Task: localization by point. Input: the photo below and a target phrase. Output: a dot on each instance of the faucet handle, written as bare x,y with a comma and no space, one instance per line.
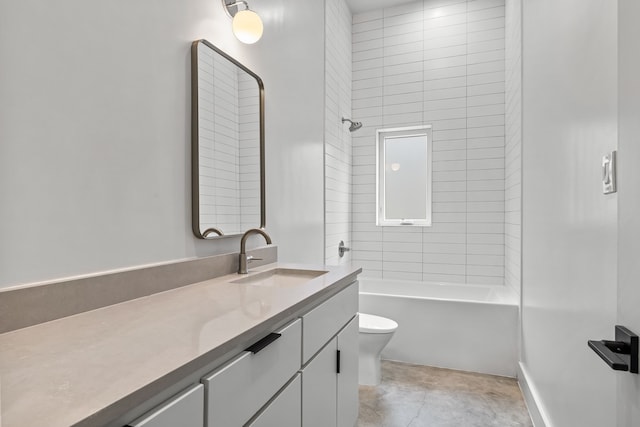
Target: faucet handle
252,258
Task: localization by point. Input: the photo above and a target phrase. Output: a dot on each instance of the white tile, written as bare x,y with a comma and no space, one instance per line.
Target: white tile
450,165
485,206
364,45
402,237
374,24
493,184
443,278
486,67
485,228
437,94
486,153
485,239
485,270
481,249
450,176
486,110
448,62
406,267
367,35
413,77
485,164
486,24
445,52
496,260
456,259
367,16
397,257
449,207
484,57
443,268
485,280
443,238
449,155
394,29
446,248
485,14
485,45
484,4
445,10
445,73
486,217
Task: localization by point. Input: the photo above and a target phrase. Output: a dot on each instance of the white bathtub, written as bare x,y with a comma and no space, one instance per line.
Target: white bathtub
465,327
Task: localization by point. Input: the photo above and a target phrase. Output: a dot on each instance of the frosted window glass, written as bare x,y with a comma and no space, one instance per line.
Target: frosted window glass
404,177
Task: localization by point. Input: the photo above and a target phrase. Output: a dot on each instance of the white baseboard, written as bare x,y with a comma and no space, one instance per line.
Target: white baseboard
532,398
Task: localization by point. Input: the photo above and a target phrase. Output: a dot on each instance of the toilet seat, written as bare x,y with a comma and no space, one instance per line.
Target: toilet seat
372,324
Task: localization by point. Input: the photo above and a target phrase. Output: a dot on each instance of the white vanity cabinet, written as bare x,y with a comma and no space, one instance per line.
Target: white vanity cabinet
330,377
304,374
184,410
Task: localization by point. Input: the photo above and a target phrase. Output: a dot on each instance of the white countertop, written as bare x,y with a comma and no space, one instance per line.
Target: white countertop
62,372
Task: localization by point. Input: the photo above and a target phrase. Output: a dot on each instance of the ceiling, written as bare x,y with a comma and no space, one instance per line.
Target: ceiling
358,6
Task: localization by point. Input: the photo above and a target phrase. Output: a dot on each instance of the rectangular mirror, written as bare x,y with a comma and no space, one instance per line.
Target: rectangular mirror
228,190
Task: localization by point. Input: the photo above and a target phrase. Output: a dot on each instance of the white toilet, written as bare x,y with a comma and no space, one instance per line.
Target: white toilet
375,333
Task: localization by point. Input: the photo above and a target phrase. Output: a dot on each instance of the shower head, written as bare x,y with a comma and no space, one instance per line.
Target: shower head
354,125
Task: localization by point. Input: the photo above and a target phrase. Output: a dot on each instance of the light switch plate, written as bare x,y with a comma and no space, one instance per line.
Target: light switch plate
609,173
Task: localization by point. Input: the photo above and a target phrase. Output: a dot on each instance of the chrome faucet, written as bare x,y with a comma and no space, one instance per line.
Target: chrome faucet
244,259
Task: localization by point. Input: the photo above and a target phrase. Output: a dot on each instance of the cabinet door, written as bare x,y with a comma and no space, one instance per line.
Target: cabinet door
285,410
322,323
319,388
348,403
184,410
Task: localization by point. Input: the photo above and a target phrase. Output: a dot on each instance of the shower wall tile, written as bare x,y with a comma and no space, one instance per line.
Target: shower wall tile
513,147
338,143
438,62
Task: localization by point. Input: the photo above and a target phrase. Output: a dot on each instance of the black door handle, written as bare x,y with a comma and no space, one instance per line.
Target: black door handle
621,354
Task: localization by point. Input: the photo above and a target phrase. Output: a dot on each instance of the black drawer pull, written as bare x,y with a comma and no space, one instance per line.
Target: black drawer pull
255,348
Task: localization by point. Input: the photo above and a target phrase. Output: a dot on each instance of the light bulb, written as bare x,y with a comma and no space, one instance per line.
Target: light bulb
395,167
247,26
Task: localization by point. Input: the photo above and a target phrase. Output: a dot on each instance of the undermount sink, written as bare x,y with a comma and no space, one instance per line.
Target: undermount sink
280,277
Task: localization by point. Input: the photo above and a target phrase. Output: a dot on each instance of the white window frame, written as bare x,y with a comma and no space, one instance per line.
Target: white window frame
381,135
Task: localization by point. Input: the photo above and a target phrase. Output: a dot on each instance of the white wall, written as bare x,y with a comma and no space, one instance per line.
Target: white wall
569,226
337,136
513,145
439,63
95,131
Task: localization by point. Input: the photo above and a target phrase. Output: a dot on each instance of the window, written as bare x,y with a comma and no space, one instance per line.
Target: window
404,176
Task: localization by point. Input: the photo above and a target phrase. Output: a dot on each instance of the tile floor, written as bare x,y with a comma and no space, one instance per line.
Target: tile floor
420,396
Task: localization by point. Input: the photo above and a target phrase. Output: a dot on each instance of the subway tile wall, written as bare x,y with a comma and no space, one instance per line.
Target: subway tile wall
438,62
337,136
513,148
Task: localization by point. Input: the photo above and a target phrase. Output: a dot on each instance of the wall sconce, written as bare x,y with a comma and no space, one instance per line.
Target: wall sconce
247,25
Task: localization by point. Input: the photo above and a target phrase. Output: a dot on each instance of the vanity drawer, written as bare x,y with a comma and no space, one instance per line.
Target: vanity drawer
324,321
237,390
185,410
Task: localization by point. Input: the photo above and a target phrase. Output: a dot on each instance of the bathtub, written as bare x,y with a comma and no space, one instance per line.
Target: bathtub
465,327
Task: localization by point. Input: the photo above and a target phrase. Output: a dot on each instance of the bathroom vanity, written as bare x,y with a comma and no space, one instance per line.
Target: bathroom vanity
276,347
